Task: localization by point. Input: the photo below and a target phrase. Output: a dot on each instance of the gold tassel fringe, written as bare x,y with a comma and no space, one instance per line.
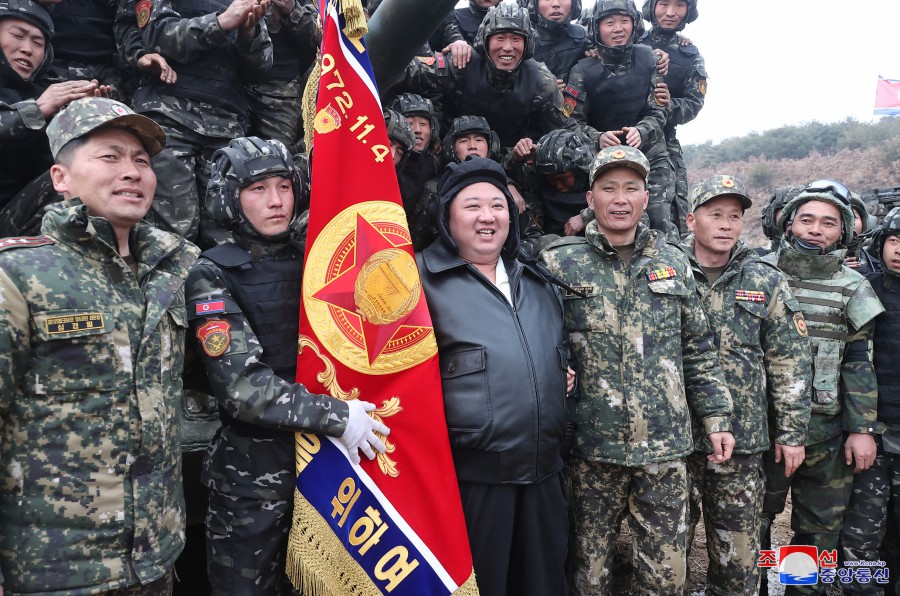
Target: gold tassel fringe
308,103
354,18
318,564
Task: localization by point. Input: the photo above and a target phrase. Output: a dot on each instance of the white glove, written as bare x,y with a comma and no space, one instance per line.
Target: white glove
360,431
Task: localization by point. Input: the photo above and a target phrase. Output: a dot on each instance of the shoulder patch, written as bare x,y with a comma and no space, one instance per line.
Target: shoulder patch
661,273
565,241
568,106
800,324
215,337
573,91
142,12
427,60
750,296
441,60
209,307
701,86
25,242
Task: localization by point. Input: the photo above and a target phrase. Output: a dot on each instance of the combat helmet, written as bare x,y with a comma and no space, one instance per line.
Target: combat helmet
605,8
399,131
719,185
619,156
465,125
506,16
827,191
869,221
38,16
649,13
782,195
411,104
538,20
564,150
890,226
246,160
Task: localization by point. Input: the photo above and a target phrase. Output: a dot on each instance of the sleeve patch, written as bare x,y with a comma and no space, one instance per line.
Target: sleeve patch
142,12
215,337
701,86
568,106
210,307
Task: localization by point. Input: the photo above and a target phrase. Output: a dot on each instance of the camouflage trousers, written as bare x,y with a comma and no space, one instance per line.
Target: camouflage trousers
730,497
158,587
246,545
655,498
660,209
679,183
820,491
183,171
866,523
275,110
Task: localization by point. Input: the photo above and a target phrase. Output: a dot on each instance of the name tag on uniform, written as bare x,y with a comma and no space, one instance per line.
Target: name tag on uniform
750,296
661,273
70,323
580,291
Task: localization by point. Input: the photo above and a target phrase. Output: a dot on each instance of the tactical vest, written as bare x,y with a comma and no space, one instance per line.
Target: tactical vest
508,112
823,301
84,30
560,53
469,21
288,61
559,207
618,101
887,346
213,77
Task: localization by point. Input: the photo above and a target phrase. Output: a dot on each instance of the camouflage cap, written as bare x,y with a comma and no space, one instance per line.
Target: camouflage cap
720,185
84,116
620,156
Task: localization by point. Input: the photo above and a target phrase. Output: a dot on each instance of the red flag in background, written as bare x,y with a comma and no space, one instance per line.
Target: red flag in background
394,525
887,97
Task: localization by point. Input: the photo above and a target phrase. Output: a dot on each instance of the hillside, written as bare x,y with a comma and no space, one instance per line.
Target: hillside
868,164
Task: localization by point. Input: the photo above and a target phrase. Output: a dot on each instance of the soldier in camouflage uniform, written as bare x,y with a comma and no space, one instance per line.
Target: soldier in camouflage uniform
770,213
517,95
685,83
92,324
648,363
765,356
244,303
212,45
839,306
612,98
866,522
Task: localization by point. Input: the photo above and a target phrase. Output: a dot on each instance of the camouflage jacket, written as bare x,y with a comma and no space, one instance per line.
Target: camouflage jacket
644,349
686,78
90,389
840,306
246,458
763,349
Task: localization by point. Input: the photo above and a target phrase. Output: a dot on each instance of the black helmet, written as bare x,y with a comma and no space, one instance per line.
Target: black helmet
890,226
244,161
538,20
506,16
399,131
38,16
465,125
649,13
776,202
563,150
410,104
605,8
474,170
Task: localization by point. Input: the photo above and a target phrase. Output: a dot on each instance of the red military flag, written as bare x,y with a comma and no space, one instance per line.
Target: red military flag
887,97
394,525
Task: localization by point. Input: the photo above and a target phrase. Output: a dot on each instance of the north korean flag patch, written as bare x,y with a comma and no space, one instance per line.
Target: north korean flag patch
210,307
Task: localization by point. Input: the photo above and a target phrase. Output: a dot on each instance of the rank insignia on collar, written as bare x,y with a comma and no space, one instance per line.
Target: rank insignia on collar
215,337
209,307
750,296
661,273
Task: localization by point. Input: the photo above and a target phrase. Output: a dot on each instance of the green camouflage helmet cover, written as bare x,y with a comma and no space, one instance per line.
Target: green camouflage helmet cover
782,195
890,226
813,192
869,221
464,125
564,150
719,185
509,17
411,104
605,8
620,156
88,114
649,13
246,160
538,20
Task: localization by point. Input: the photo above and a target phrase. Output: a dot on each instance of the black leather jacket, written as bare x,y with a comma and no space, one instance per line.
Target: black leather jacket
503,368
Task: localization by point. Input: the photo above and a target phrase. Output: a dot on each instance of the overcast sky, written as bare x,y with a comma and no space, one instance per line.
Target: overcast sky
778,62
